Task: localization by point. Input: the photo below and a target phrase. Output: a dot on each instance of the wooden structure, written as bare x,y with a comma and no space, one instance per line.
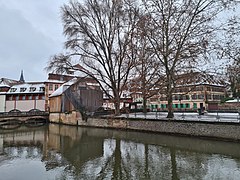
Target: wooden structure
79,95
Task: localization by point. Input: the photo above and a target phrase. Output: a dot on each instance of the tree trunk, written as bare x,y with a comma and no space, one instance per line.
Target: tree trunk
117,167
144,105
170,104
173,163
169,97
117,105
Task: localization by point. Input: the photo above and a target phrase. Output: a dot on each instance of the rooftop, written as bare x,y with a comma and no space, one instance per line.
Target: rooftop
34,87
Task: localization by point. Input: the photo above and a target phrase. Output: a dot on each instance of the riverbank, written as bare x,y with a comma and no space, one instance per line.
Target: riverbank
216,130
219,126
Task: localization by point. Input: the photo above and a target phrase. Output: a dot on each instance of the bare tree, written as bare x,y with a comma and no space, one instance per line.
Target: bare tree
180,32
147,69
232,74
230,51
100,32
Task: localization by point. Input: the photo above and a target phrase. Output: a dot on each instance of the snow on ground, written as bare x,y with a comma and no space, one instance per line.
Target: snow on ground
208,117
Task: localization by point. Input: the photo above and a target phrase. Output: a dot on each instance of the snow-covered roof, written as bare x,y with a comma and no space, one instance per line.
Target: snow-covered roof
4,84
63,87
92,84
27,88
233,101
54,81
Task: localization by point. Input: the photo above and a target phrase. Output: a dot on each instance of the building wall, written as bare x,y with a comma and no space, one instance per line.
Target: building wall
55,104
2,103
91,99
65,118
50,87
25,105
189,98
10,105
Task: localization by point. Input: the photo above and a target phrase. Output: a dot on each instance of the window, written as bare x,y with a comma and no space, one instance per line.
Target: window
24,98
42,88
56,87
22,89
187,105
187,97
13,89
208,88
209,97
30,97
194,96
200,96
216,97
199,88
32,89
194,105
50,87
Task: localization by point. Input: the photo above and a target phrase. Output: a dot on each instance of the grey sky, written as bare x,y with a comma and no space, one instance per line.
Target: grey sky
31,32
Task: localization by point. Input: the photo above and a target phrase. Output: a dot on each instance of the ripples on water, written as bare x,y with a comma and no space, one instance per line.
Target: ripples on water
66,152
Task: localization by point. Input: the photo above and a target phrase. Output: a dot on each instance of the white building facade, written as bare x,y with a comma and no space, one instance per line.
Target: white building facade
25,97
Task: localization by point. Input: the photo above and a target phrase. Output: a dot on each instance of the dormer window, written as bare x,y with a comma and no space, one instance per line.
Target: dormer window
23,89
13,89
42,88
32,89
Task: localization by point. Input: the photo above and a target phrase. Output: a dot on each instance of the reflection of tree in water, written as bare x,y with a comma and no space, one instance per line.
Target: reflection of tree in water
191,164
95,157
88,153
129,160
72,149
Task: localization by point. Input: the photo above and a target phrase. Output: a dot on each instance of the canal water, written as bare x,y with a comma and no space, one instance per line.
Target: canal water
67,152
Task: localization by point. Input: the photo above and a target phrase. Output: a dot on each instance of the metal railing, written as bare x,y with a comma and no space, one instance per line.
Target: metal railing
186,116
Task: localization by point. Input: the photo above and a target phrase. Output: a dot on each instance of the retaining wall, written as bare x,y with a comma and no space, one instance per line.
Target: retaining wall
227,131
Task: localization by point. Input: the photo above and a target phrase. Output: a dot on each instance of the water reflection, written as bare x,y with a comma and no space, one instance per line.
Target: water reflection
66,152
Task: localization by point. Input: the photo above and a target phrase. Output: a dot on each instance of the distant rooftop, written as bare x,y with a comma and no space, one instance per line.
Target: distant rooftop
5,82
34,87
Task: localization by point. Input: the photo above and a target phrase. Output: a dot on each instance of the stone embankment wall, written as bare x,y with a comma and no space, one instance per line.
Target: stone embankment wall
65,118
227,131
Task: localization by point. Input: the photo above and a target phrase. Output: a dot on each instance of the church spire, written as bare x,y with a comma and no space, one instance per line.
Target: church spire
22,78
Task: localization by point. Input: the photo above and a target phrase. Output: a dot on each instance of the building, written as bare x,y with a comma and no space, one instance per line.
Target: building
22,96
72,100
125,100
5,85
55,80
25,97
192,91
53,83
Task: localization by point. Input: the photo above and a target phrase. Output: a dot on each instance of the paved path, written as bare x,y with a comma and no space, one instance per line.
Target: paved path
209,117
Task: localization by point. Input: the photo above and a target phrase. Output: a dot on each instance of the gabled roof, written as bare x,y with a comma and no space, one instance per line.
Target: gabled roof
63,87
5,82
198,78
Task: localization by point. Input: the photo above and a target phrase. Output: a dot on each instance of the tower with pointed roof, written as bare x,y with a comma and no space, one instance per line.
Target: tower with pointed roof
21,78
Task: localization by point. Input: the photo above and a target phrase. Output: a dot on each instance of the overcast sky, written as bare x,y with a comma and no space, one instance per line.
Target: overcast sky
31,32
